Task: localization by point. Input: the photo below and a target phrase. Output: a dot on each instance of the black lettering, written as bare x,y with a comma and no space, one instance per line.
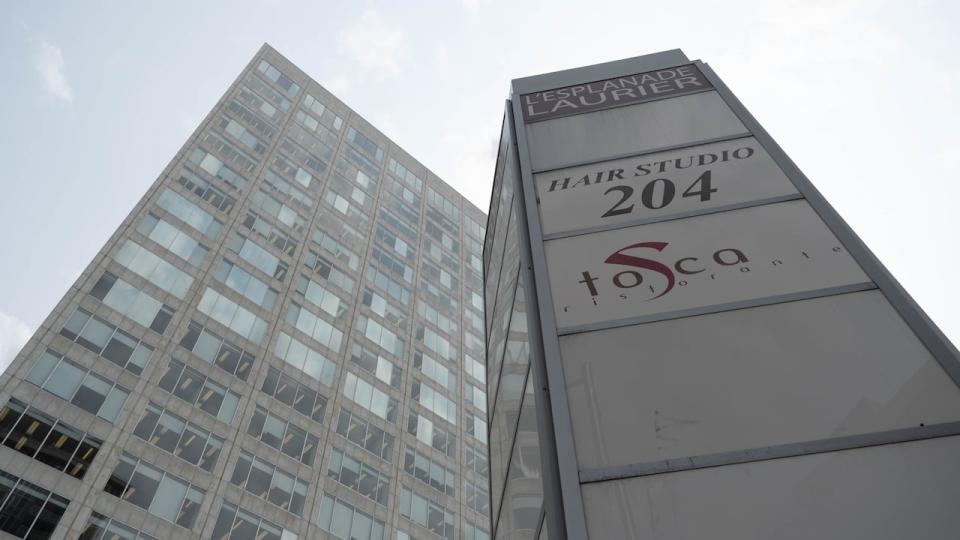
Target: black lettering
702,161
739,257
588,281
746,152
679,266
618,280
553,185
642,170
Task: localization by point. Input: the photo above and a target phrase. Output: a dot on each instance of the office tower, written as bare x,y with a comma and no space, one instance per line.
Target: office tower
699,346
284,339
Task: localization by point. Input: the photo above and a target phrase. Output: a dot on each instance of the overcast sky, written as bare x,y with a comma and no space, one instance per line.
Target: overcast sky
98,96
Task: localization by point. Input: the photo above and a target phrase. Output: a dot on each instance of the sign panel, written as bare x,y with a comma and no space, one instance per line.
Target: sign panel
610,93
689,180
744,378
628,131
646,270
887,492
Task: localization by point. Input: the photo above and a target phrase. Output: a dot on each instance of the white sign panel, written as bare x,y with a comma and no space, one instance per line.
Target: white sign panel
727,381
745,254
684,181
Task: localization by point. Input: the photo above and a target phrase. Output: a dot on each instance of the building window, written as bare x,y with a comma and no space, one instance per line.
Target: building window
410,179
197,389
261,87
429,471
295,194
47,440
132,303
317,127
153,268
172,239
314,105
477,426
475,532
436,343
248,96
288,438
100,527
82,387
218,351
392,287
325,269
186,440
320,330
384,308
336,250
230,314
281,80
27,510
239,132
189,213
267,231
346,522
322,297
426,432
441,321
476,460
435,371
213,166
474,228
304,358
203,189
246,284
251,119
160,493
427,514
380,335
258,257
475,396
234,523
476,498
405,225
375,364
359,476
370,398
279,211
365,143
434,401
102,338
269,482
294,394
301,156
475,368
443,204
362,433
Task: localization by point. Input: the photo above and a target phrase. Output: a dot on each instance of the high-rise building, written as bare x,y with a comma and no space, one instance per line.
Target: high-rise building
284,339
686,340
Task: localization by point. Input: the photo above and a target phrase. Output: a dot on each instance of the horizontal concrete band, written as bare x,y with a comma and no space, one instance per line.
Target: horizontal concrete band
672,217
717,308
770,452
657,150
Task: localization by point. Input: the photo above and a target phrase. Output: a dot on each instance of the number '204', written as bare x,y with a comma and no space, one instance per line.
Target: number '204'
701,187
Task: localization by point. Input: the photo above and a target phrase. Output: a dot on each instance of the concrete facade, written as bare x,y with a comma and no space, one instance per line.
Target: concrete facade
375,292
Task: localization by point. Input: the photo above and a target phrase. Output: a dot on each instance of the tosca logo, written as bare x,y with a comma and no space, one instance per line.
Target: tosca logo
685,266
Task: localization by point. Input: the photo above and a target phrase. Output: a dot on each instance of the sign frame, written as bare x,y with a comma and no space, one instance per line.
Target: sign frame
568,520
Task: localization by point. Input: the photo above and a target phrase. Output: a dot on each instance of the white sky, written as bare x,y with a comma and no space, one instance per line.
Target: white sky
97,97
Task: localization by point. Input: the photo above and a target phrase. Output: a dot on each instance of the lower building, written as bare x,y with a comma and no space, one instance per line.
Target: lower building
284,339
